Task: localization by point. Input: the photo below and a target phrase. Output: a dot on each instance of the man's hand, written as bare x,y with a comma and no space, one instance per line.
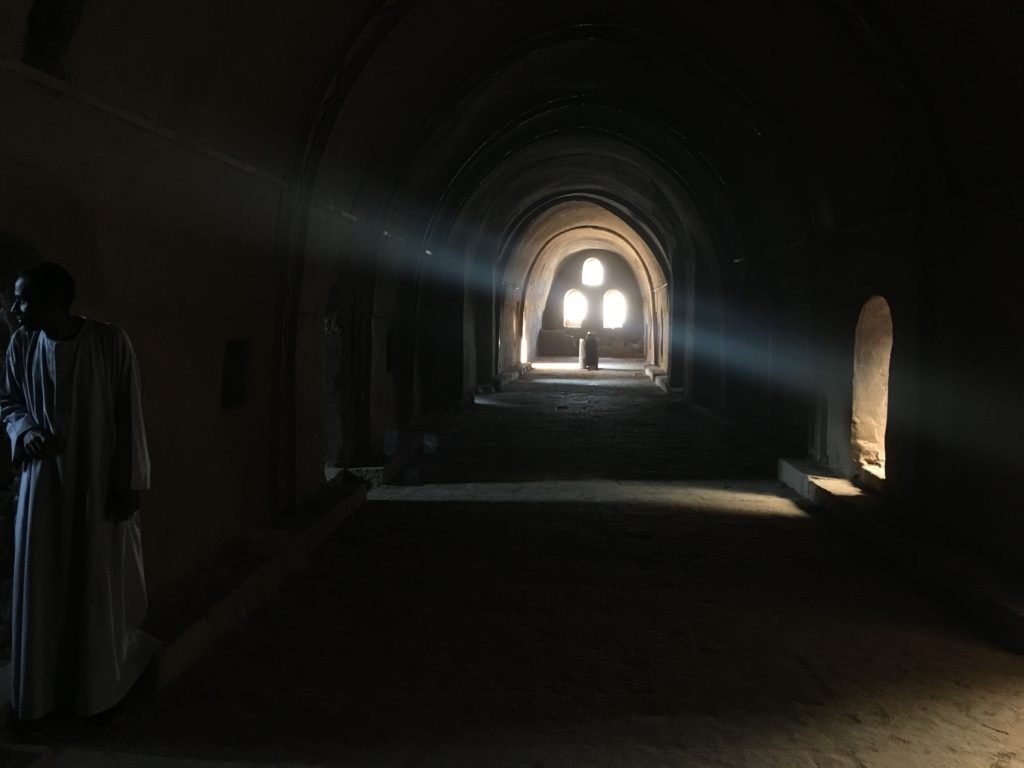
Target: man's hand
123,504
38,444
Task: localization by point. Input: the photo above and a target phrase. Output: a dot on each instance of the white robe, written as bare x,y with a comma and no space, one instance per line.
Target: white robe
79,589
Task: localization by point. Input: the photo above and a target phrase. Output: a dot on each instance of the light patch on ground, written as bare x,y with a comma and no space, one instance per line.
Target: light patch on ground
746,498
573,364
81,758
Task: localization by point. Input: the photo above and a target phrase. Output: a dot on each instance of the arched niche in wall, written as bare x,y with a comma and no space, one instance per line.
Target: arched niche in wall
871,356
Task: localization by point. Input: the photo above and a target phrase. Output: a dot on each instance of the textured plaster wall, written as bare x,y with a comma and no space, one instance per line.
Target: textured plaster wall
176,247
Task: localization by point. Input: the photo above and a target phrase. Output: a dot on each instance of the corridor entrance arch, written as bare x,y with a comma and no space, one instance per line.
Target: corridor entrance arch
548,242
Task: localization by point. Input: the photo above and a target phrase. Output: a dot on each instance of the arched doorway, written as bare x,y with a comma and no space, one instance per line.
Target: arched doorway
871,355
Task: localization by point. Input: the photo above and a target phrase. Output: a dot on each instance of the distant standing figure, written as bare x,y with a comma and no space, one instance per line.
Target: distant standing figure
590,347
70,400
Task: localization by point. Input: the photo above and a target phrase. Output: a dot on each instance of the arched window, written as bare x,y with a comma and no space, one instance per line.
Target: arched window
593,272
575,309
614,309
872,349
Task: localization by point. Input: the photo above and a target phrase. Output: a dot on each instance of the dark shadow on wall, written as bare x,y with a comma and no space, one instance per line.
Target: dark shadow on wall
347,353
49,30
15,255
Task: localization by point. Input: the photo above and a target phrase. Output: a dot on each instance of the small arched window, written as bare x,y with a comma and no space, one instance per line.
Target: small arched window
614,309
575,309
593,272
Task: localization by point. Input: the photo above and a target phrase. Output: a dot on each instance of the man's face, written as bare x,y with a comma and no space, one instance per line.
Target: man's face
29,307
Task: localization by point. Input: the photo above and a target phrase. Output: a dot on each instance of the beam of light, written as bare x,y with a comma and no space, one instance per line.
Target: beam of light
738,338
746,342
760,346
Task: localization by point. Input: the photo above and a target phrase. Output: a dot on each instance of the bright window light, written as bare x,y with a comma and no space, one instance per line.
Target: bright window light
614,309
593,272
573,365
575,310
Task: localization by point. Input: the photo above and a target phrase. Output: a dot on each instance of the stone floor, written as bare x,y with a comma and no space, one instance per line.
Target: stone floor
574,424
594,577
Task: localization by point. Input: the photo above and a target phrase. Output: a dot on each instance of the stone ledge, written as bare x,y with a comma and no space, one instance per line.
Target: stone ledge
510,375
653,371
963,582
661,380
499,381
388,469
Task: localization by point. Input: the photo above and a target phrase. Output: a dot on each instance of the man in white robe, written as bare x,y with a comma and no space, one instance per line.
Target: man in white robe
70,400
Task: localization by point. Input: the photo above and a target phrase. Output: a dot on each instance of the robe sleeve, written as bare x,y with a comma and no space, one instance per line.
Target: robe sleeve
132,459
13,403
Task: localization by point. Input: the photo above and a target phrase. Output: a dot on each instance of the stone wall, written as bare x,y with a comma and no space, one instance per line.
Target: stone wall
174,244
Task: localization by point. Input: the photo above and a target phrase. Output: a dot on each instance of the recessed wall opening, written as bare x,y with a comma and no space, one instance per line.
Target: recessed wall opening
871,357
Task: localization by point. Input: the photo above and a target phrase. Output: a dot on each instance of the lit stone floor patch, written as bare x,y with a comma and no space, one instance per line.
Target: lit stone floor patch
546,364
85,758
764,498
